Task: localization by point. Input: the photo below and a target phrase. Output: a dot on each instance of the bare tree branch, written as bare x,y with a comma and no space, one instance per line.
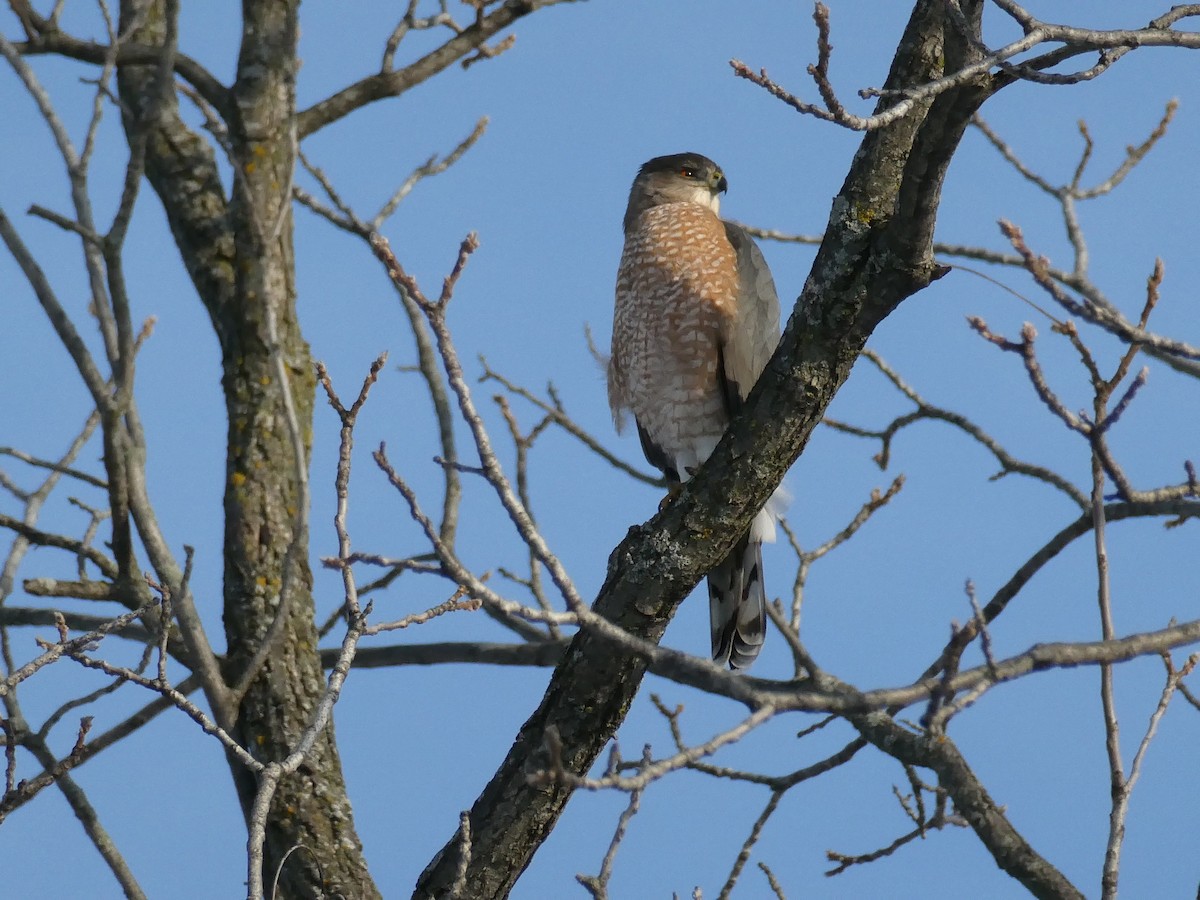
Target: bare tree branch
1116,42
392,83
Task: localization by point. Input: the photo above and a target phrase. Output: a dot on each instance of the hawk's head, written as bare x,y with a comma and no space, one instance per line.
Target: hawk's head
678,178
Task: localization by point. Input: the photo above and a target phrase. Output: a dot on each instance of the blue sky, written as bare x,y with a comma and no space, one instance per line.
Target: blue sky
589,92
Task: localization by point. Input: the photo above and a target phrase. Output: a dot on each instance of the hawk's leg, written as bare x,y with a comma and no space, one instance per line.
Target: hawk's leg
673,490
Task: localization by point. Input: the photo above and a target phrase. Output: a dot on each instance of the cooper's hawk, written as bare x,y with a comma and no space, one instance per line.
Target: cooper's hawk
696,320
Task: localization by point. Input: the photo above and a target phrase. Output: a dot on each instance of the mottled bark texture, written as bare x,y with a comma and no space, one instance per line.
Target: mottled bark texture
238,253
877,251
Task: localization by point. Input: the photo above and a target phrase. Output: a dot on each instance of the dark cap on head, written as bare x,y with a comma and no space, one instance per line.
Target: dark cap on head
675,178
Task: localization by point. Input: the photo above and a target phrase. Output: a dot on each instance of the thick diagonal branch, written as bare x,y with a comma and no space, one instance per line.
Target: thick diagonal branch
876,253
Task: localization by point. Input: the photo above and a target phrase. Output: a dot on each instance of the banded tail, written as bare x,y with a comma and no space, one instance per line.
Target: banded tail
737,605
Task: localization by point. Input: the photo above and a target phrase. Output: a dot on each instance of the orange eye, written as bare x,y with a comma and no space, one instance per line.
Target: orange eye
688,172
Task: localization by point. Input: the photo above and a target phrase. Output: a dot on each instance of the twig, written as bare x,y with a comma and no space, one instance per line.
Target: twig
935,822
523,443
131,724
748,845
75,651
560,418
772,881
597,885
435,315
1075,41
269,775
652,771
928,411
432,166
89,818
52,652
17,794
456,603
40,538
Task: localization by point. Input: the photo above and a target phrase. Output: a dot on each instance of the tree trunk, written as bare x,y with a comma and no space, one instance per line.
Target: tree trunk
240,257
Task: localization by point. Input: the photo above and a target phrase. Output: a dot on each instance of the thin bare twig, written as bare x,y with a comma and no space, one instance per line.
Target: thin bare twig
435,315
555,409
597,885
1073,41
652,771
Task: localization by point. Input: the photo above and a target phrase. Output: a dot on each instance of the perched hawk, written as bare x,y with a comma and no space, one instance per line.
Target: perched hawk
696,320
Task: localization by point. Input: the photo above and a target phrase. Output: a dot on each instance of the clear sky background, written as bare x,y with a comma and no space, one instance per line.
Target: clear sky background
589,92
